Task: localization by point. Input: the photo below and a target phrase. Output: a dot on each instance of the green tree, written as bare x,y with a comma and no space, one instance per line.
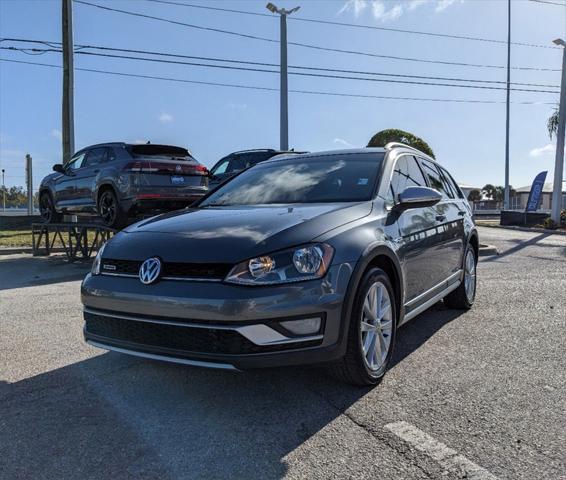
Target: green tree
552,123
474,196
380,139
496,193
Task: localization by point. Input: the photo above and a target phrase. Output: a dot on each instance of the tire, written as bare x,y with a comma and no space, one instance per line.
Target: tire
354,367
47,209
110,211
463,297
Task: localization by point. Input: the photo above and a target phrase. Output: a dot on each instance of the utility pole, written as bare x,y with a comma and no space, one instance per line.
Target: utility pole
508,105
283,108
29,182
560,134
3,192
68,117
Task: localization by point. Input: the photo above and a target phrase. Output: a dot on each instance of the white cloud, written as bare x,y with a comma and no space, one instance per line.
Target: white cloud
341,141
443,5
542,151
357,6
388,10
237,106
57,134
166,117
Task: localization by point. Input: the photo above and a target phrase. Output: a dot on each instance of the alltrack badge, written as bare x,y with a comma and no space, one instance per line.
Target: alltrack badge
150,270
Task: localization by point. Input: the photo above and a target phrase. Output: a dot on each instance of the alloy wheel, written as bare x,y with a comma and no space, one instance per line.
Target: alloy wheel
376,326
108,208
45,208
470,276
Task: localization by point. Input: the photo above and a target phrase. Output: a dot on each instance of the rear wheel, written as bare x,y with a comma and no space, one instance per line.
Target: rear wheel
47,209
371,334
110,211
463,297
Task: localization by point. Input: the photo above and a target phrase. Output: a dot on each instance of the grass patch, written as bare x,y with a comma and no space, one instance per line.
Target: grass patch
22,238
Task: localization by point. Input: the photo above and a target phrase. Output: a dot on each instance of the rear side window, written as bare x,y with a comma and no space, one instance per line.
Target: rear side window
453,185
96,156
436,180
237,163
407,173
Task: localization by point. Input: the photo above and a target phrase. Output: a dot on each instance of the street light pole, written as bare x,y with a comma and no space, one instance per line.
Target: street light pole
560,134
68,120
507,110
3,192
283,107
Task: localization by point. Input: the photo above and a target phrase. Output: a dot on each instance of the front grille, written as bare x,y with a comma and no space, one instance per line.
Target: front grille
185,338
209,271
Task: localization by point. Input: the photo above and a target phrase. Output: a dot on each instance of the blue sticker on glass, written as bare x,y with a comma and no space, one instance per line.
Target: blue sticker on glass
362,181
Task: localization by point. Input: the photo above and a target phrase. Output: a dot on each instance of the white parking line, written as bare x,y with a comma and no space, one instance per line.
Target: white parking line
449,459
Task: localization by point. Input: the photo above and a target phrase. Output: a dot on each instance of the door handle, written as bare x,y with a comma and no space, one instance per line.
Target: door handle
461,213
440,218
97,170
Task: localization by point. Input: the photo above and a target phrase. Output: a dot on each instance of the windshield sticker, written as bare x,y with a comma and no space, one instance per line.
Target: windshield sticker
362,181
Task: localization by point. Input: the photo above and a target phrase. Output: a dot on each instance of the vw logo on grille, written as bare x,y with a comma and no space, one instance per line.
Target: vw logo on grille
150,270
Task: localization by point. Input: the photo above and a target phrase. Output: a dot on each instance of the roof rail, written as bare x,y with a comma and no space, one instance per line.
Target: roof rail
391,145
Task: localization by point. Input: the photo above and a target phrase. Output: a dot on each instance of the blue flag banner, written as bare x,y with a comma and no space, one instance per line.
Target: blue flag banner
536,192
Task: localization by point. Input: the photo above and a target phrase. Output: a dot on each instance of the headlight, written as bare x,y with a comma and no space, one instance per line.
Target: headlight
294,265
95,270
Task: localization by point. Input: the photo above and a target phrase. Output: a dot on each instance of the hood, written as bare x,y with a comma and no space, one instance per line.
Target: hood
229,234
51,176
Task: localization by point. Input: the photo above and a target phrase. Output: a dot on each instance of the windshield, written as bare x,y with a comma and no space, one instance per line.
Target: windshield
328,178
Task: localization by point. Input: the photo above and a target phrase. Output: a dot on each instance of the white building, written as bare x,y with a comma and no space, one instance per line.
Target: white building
522,196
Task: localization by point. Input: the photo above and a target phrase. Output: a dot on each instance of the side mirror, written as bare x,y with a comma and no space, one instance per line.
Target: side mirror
58,168
418,197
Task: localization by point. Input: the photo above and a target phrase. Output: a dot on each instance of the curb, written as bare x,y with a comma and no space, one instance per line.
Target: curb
524,229
487,250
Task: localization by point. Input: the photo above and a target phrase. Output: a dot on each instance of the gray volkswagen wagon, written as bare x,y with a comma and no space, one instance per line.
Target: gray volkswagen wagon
302,259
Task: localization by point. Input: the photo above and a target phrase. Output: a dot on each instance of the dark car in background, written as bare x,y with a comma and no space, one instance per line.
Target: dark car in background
315,258
118,180
234,163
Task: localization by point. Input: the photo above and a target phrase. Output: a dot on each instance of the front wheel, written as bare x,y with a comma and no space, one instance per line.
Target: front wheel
463,297
371,335
47,209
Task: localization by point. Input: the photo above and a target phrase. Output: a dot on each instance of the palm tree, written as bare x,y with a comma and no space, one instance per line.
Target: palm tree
552,123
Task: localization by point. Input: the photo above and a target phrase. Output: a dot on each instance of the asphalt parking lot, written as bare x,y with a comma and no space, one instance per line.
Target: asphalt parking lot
478,395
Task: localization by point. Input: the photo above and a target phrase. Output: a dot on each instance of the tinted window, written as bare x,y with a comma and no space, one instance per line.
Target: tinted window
220,167
331,178
76,162
96,156
407,173
237,163
450,181
259,157
111,154
436,180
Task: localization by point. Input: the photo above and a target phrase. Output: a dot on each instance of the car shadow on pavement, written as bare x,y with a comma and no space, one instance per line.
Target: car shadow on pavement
114,416
17,271
519,245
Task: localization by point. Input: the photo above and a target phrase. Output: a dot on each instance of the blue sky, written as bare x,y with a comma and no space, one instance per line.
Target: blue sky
213,121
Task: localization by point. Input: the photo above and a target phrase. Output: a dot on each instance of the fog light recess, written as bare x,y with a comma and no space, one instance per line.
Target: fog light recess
306,326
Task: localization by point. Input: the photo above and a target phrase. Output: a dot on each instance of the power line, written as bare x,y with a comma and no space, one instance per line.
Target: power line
270,89
307,45
358,72
302,74
353,25
542,1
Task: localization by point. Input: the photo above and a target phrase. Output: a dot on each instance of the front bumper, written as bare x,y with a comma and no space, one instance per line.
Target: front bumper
216,324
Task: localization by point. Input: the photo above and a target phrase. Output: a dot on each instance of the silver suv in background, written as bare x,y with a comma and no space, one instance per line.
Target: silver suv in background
119,180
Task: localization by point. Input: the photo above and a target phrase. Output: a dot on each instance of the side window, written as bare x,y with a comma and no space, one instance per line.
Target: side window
110,154
453,185
221,167
76,162
96,156
407,173
238,163
435,179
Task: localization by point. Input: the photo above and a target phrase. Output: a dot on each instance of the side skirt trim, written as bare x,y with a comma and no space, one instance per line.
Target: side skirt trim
429,303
